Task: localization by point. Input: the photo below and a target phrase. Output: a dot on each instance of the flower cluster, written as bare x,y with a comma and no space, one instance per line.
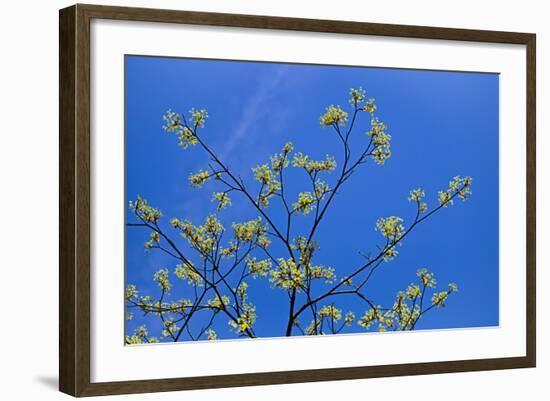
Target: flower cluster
198,179
258,267
181,305
305,204
462,186
140,336
439,298
170,328
412,291
223,200
349,318
427,278
334,115
270,185
322,272
198,117
321,189
202,237
405,316
144,211
314,166
417,195
280,161
211,335
452,287
380,141
357,95
331,312
264,174
246,319
287,275
187,271
406,309
153,240
251,231
458,186
161,277
131,292
173,123
391,228
229,250
219,303
369,317
369,106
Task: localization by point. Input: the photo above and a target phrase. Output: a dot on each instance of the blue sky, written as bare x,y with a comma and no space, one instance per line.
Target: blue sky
442,124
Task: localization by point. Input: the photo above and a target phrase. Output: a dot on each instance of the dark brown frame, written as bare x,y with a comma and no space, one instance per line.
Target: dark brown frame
74,199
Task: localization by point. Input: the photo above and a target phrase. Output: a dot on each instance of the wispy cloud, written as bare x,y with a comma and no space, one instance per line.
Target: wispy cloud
253,110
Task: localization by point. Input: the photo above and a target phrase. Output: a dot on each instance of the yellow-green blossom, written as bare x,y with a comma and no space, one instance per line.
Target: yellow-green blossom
139,336
445,198
170,328
305,204
314,166
263,174
452,287
331,312
369,317
391,228
197,180
144,211
321,189
229,251
417,195
357,95
322,272
154,239
181,305
218,303
439,298
249,231
270,185
380,141
349,318
223,200
202,237
334,115
287,274
258,267
458,186
187,271
211,335
427,278
246,319
462,186
161,277
413,291
131,292
370,106
263,241
186,136
280,161
198,117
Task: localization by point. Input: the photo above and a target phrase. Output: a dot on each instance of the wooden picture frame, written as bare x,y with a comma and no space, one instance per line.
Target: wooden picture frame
74,203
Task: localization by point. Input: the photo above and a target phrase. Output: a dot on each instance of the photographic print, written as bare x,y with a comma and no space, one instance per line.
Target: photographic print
268,200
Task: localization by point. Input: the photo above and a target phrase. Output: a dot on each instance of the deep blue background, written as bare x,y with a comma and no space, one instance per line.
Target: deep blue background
443,124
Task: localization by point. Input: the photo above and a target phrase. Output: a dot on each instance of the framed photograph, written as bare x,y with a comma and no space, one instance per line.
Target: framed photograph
249,200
